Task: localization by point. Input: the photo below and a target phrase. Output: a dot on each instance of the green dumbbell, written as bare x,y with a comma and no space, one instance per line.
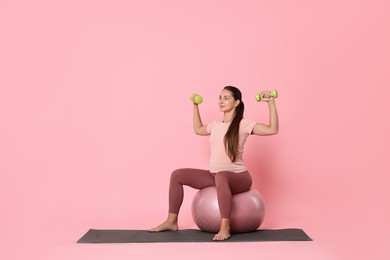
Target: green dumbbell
196,98
274,94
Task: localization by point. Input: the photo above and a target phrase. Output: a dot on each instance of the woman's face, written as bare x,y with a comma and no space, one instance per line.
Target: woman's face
227,102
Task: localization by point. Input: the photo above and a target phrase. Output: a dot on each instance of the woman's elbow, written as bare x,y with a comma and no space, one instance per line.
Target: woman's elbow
275,131
198,131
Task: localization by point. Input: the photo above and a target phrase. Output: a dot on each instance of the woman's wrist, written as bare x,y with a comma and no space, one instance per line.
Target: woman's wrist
271,101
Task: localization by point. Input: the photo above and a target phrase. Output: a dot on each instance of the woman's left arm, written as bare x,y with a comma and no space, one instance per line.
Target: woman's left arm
273,127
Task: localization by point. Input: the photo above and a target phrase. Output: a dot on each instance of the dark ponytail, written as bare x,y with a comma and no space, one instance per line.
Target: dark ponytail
232,134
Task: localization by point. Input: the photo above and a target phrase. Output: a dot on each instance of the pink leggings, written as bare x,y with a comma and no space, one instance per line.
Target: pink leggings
227,183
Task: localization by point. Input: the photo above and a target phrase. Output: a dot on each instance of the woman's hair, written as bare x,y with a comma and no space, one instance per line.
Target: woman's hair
232,134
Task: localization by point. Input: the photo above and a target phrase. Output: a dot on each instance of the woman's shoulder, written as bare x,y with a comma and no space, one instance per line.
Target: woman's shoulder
216,121
246,121
247,125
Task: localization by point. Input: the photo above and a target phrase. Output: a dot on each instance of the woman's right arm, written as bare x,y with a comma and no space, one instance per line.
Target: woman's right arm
199,128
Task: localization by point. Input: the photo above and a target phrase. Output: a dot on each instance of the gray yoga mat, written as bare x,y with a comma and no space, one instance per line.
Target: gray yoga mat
189,235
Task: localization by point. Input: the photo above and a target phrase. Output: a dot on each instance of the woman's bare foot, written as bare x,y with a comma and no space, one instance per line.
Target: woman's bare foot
166,226
224,231
169,225
222,235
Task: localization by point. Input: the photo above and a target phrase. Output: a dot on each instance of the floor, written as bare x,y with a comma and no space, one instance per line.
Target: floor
60,244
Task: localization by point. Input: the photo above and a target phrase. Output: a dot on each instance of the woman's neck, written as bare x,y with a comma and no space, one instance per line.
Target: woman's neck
228,117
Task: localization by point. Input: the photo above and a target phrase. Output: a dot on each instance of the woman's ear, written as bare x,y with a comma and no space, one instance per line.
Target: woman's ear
237,102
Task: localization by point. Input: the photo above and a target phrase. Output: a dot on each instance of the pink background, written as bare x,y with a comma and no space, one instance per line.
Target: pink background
94,116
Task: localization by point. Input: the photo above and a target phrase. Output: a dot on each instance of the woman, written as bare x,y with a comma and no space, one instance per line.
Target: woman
226,168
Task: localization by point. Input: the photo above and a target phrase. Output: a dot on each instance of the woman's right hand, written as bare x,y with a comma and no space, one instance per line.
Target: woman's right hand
266,95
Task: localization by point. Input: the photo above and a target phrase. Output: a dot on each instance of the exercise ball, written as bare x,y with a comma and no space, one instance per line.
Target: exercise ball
247,211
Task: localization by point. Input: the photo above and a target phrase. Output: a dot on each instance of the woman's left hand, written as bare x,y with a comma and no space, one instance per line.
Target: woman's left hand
266,96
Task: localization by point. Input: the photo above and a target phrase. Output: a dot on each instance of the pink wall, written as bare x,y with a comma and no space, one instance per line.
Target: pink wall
94,112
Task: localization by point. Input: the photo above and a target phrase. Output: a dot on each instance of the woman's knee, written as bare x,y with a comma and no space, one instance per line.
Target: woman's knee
221,178
237,182
178,174
175,175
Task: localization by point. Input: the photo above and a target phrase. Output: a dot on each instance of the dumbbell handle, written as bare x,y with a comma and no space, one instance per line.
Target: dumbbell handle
196,98
274,94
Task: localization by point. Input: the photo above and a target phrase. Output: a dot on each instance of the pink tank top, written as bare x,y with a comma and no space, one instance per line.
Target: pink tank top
219,159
